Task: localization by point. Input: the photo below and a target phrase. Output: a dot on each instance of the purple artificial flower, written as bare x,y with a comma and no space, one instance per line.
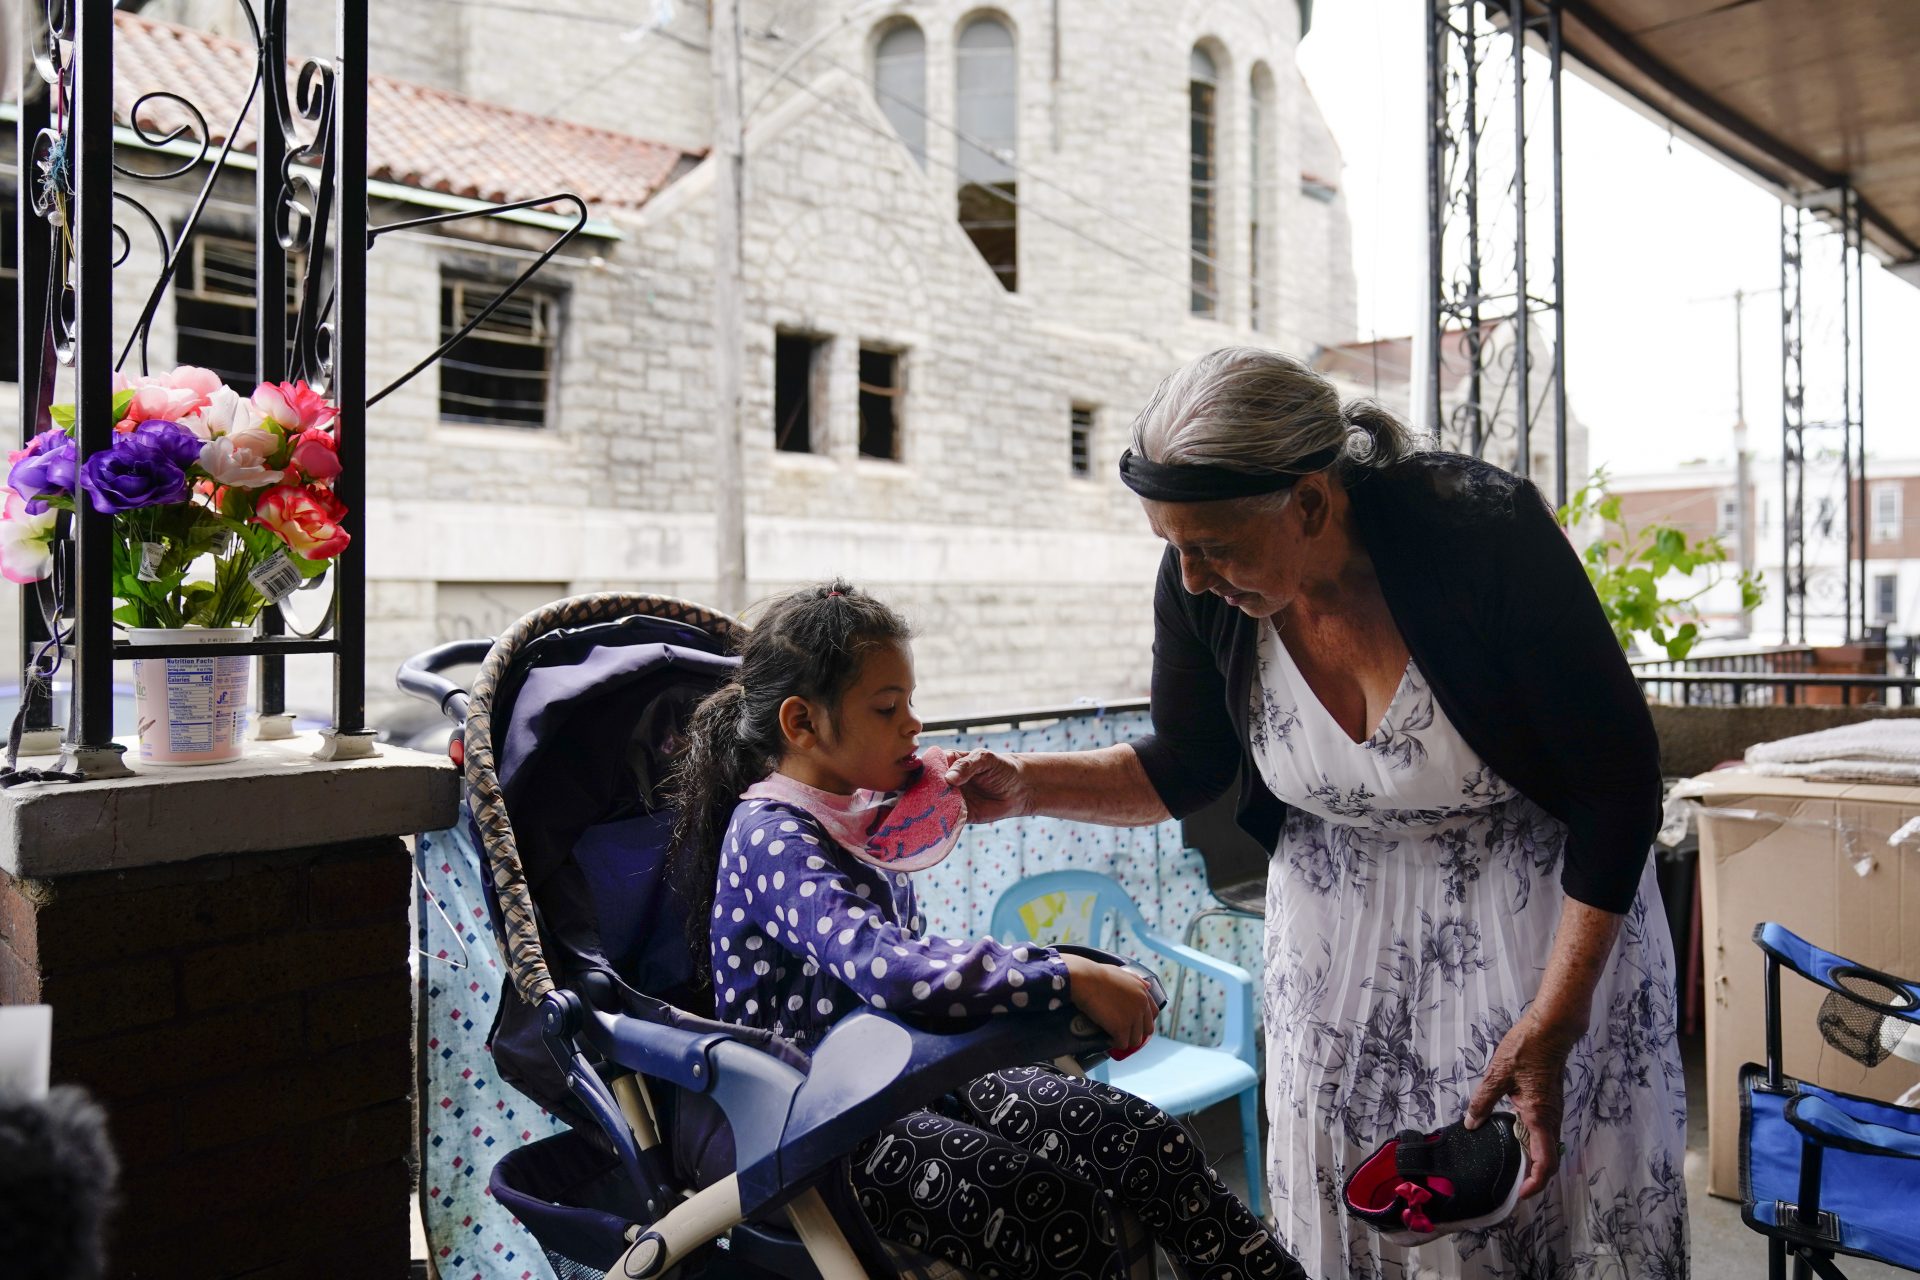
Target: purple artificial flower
170,440
140,470
45,468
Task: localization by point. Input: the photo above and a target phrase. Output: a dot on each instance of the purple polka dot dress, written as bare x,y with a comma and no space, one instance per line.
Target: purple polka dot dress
804,933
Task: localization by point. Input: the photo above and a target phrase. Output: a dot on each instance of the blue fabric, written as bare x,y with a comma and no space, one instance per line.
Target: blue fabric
1165,879
473,1117
1819,965
1871,1195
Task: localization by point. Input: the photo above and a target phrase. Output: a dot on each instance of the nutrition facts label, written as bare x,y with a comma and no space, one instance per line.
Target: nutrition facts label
206,705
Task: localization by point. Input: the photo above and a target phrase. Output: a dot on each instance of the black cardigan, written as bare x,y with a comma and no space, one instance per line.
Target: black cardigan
1498,614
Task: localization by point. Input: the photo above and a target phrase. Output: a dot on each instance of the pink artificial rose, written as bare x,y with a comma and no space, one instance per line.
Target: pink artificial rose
317,456
155,403
306,518
294,405
26,541
187,377
239,458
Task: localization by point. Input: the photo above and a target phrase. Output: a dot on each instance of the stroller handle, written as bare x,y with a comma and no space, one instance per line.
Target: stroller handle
420,675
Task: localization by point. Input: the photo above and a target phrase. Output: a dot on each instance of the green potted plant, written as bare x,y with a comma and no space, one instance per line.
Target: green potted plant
1632,571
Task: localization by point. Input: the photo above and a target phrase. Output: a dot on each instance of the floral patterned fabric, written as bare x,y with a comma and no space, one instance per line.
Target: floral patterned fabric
1411,908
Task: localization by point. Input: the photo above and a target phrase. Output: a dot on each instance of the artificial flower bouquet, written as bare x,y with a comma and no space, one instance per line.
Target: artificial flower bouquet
196,472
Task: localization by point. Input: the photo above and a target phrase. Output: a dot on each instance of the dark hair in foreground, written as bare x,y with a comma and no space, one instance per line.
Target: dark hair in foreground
808,644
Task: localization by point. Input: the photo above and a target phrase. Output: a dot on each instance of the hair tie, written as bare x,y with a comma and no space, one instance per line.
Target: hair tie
832,594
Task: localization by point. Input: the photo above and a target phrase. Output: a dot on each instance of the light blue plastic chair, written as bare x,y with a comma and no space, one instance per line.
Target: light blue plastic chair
1086,907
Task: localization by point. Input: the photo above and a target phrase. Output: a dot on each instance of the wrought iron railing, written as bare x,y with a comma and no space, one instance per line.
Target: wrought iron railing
310,202
1768,689
1789,658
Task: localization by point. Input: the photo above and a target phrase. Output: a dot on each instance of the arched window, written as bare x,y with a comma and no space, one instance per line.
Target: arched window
1203,91
900,83
986,106
1259,192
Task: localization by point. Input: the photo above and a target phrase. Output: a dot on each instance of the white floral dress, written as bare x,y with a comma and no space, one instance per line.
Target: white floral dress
1411,908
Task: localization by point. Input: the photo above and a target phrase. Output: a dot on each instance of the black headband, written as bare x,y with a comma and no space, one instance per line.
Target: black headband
1198,482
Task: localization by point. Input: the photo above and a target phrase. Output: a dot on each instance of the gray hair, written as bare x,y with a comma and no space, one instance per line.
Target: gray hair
1249,409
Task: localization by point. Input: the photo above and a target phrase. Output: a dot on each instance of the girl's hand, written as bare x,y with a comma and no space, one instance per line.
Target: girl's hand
1115,998
994,785
1530,1066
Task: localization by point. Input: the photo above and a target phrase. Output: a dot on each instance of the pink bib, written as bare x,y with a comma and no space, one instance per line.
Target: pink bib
908,830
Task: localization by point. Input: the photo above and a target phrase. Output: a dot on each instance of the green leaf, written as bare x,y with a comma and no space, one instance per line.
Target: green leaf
64,416
121,399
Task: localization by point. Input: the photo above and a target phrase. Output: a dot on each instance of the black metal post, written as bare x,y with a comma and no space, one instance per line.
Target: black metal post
1523,404
33,258
349,363
90,729
1847,221
1560,479
1476,390
1855,267
1793,558
270,289
1436,126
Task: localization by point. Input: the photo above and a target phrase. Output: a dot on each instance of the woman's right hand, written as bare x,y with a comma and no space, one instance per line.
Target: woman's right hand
995,786
1116,998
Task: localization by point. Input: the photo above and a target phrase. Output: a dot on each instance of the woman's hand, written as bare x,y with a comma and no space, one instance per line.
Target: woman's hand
1116,998
995,786
1530,1067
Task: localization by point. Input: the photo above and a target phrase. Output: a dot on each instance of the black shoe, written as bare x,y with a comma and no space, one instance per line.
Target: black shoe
1421,1186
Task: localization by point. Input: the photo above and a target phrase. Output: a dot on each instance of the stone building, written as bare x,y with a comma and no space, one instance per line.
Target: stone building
974,240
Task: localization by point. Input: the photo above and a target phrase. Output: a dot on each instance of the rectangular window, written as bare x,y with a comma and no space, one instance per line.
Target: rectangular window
798,360
987,212
1729,516
501,374
213,306
9,289
1082,441
1886,597
882,393
1886,512
1204,175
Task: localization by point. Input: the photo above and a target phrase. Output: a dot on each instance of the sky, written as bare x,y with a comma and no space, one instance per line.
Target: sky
1659,234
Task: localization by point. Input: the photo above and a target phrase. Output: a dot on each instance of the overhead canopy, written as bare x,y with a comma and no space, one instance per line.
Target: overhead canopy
1808,95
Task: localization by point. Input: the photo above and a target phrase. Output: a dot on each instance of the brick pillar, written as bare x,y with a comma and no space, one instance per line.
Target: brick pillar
247,1023
244,1015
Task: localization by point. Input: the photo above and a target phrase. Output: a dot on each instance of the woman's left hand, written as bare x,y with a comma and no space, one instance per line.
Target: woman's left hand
1530,1067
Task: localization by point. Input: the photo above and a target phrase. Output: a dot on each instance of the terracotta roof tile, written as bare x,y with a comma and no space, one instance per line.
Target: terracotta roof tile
416,136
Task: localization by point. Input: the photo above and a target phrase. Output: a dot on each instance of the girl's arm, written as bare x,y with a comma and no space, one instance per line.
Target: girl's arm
803,902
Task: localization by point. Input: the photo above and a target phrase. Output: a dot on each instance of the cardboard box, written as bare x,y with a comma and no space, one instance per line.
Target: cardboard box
1815,857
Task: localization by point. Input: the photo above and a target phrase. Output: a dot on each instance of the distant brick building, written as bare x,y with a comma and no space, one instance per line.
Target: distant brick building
1703,501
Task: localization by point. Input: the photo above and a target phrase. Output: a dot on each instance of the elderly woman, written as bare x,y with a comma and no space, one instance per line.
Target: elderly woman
1397,659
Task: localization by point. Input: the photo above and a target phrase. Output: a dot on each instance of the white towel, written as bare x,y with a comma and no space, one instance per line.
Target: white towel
1881,750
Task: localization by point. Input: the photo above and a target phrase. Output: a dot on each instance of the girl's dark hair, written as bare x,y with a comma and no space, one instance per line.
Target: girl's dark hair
808,644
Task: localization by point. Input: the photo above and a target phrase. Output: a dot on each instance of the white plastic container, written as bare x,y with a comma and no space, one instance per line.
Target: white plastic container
192,710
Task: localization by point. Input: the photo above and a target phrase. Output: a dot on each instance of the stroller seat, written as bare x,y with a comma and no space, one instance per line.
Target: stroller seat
696,1147
1825,1173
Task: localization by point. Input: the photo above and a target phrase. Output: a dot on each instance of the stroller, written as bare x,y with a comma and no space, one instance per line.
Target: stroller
696,1147
1824,1173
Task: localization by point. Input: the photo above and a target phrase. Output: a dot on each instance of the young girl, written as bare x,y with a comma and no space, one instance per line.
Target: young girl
1023,1173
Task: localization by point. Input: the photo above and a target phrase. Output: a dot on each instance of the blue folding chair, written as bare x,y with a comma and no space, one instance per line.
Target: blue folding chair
1824,1173
1084,908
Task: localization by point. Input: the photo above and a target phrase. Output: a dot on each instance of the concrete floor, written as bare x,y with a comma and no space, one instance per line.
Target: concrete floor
1723,1247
